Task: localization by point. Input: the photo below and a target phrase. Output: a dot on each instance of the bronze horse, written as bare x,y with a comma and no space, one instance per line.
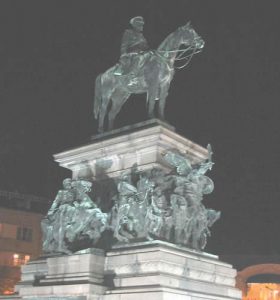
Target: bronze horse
153,76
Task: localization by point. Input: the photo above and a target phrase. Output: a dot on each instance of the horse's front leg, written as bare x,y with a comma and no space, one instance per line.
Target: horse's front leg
162,100
152,96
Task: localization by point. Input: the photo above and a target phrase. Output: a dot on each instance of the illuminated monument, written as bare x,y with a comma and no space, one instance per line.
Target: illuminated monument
130,223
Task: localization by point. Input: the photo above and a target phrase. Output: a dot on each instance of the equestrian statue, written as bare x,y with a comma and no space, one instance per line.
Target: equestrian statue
141,70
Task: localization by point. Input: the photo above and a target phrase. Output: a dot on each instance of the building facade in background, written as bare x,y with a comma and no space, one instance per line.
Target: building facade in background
20,235
258,276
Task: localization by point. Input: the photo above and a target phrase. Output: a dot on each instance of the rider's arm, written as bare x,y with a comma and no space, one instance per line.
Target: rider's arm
125,41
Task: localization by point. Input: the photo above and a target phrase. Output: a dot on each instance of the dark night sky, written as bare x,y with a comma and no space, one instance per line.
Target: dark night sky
51,53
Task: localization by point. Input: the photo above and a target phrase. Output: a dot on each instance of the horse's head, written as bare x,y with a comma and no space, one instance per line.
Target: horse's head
190,38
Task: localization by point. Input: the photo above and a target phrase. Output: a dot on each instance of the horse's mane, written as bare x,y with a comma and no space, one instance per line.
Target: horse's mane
166,43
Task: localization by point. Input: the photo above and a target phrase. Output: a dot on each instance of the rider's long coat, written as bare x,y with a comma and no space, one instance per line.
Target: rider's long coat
133,42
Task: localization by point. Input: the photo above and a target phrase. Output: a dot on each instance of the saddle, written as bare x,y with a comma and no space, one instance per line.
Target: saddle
130,64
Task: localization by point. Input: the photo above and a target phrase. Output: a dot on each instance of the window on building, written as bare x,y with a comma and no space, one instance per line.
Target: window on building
24,234
8,231
20,259
263,291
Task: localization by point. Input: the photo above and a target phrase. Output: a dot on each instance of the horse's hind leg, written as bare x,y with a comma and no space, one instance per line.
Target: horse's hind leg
117,103
101,121
102,114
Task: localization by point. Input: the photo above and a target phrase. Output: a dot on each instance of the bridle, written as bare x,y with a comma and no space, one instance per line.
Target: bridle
181,55
188,57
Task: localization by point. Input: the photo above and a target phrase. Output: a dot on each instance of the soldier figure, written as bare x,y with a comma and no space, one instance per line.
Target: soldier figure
133,46
59,216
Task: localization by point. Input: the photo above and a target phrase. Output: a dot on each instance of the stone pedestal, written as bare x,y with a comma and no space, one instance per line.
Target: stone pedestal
73,277
150,270
112,153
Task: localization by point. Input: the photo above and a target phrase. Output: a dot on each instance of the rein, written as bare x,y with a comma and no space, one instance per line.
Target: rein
187,58
181,55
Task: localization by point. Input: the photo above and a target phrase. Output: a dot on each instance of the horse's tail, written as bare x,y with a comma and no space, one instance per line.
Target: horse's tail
97,96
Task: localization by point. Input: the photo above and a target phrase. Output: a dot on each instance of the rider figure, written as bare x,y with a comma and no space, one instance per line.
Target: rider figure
133,46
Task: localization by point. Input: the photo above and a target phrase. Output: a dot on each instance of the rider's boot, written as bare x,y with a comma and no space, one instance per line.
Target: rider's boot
118,70
132,79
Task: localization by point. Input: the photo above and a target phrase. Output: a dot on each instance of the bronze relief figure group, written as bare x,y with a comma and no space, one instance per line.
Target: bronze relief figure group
148,205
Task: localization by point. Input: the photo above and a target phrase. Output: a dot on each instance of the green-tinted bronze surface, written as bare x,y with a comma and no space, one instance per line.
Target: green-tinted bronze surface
140,205
141,70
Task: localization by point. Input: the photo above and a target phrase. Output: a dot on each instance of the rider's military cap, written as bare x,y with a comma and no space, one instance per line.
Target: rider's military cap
136,19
